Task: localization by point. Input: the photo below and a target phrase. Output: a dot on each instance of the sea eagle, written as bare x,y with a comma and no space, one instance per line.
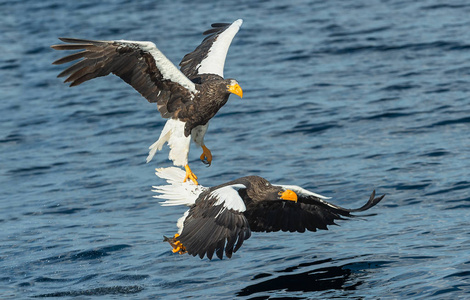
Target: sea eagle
220,218
188,97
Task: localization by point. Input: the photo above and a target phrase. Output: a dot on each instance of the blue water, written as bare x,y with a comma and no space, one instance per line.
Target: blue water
340,97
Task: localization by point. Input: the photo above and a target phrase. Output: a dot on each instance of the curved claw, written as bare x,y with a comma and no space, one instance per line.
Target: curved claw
206,156
190,175
205,160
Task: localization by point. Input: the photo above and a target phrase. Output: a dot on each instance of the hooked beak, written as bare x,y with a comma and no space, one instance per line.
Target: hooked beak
236,89
288,195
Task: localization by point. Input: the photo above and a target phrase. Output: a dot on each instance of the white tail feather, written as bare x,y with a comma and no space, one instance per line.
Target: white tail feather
157,146
173,134
177,192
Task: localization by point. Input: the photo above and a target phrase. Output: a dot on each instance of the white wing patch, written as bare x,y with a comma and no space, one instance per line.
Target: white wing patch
165,66
301,191
215,60
177,192
228,196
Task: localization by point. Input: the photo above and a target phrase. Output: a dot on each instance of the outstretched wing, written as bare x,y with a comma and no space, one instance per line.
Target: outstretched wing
310,212
209,56
140,64
216,224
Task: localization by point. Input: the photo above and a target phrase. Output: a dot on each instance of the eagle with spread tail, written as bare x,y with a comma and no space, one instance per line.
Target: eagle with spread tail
188,97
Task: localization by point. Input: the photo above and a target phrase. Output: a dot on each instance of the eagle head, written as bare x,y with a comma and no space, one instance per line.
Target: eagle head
234,88
259,189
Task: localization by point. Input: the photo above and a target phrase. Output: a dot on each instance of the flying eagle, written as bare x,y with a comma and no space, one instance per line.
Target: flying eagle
188,97
220,218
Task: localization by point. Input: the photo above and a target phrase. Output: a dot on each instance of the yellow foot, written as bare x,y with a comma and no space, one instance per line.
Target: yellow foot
177,245
190,175
206,155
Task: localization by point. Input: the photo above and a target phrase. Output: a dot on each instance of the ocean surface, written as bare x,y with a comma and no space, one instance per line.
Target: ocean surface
340,97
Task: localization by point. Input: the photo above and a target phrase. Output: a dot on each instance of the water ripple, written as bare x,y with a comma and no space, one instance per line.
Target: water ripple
101,291
340,97
85,255
312,128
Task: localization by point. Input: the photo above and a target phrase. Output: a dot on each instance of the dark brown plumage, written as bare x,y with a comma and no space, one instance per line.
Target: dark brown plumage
222,217
191,96
138,68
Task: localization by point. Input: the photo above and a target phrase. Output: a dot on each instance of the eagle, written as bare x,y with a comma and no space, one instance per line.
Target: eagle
188,97
220,218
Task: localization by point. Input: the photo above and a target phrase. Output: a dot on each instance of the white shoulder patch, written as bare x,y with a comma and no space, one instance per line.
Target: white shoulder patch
165,66
228,196
215,60
177,192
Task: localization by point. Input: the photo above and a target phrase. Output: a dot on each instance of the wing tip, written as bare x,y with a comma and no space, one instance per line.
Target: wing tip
371,202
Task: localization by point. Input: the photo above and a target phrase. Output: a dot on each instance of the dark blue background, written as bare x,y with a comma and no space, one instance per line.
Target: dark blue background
340,97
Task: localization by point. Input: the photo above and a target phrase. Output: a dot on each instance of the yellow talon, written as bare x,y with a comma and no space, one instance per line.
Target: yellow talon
190,175
177,245
206,155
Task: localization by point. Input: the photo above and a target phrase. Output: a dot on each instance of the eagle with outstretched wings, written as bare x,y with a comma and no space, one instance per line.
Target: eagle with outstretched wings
188,97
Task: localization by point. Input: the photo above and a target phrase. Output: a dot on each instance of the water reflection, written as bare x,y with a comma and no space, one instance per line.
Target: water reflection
343,277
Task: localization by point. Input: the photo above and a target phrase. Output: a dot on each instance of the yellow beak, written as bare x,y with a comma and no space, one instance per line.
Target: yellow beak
236,89
288,195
